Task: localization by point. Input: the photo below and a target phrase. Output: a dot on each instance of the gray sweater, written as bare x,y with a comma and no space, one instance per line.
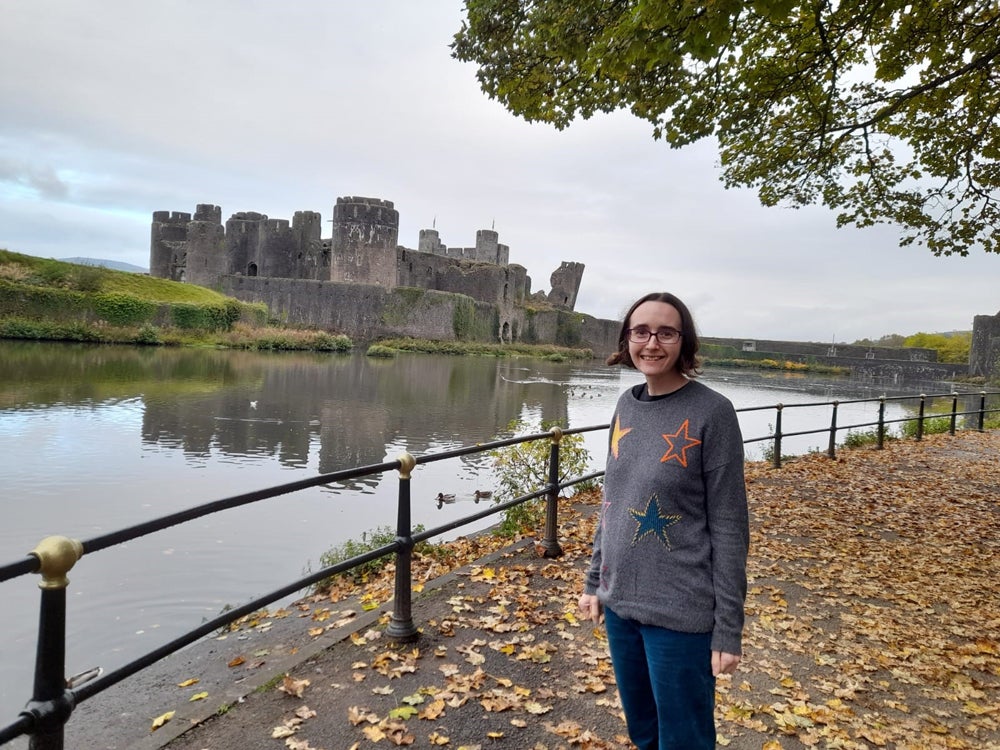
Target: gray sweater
671,547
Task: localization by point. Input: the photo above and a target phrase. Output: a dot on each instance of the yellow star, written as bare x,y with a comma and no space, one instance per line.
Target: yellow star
619,433
679,452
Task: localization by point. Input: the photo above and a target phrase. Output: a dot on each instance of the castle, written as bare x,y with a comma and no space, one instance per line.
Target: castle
363,251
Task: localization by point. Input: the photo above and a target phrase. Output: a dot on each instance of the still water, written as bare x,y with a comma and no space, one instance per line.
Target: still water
97,438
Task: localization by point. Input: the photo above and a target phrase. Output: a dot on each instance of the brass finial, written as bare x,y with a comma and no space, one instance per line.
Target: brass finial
57,554
557,434
406,464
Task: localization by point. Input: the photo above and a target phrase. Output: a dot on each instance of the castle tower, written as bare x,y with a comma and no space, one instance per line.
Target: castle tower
242,243
487,242
365,235
565,282
430,242
168,244
310,260
206,247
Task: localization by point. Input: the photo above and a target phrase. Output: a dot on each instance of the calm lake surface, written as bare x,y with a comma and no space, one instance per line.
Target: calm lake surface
97,438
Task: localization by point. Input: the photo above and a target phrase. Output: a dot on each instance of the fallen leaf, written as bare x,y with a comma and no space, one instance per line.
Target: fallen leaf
162,719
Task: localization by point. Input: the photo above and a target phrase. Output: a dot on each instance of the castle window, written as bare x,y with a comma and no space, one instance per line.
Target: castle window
252,269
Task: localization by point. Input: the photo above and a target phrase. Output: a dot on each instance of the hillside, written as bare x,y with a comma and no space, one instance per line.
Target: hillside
115,265
58,274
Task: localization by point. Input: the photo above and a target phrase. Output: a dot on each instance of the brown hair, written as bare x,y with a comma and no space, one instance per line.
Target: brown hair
688,363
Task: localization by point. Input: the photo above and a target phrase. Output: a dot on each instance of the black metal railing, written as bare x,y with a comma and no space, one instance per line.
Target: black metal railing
54,697
976,418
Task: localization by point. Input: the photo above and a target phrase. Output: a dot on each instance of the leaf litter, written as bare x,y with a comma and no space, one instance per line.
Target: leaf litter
872,622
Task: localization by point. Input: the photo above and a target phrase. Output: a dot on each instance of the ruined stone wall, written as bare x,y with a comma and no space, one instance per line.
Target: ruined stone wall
819,350
565,282
503,285
365,235
366,312
984,357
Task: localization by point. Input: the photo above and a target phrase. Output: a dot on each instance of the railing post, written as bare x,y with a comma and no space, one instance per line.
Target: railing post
920,417
982,411
881,422
831,449
954,413
776,459
550,544
401,627
51,703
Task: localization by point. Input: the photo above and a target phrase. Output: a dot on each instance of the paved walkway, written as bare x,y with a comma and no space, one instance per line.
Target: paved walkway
872,622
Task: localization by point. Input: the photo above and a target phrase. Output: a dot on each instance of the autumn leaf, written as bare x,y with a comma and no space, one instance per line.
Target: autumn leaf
403,712
162,719
236,662
198,697
188,683
293,687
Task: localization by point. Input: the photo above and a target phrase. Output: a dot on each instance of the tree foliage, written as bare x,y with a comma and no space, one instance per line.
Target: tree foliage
883,111
953,347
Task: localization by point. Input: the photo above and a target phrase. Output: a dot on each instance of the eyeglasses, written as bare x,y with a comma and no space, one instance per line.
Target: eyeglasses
663,335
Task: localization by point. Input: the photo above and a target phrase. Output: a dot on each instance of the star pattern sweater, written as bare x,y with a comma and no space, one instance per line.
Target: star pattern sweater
671,546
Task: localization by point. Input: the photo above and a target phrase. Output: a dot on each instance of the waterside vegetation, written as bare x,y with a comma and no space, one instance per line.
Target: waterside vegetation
52,300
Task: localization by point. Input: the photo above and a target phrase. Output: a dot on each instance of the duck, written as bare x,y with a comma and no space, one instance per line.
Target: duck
483,495
443,498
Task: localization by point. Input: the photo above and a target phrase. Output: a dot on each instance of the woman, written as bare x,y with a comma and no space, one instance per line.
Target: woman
669,561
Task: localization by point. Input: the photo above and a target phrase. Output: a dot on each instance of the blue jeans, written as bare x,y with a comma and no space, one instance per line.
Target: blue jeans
665,683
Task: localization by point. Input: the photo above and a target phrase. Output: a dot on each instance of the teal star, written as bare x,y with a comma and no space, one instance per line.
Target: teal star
652,521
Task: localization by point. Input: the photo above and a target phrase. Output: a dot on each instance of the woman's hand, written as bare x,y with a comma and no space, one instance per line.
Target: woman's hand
589,607
723,663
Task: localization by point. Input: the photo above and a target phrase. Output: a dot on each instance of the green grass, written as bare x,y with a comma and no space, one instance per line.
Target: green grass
543,351
28,269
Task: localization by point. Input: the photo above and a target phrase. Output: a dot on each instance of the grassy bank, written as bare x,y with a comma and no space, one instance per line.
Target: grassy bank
391,347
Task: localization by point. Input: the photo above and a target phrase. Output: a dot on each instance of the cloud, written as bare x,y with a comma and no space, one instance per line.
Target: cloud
40,179
159,105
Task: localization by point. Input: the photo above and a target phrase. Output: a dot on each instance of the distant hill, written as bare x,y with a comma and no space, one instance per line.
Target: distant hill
114,265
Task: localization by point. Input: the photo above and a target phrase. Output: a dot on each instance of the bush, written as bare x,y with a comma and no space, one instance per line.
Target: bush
860,439
932,426
523,468
89,278
120,309
378,350
370,540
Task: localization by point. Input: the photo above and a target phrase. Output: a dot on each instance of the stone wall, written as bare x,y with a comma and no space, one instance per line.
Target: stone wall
366,312
984,358
816,349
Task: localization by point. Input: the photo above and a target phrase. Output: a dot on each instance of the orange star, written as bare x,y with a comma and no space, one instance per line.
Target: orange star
679,452
618,434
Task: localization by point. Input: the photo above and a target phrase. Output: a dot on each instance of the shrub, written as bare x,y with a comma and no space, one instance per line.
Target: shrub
855,439
120,309
378,350
932,426
523,468
370,540
88,278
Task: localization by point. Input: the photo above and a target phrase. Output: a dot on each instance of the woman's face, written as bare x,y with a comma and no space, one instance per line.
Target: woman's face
654,359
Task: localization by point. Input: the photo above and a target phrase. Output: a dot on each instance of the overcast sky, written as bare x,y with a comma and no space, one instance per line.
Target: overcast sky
111,111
